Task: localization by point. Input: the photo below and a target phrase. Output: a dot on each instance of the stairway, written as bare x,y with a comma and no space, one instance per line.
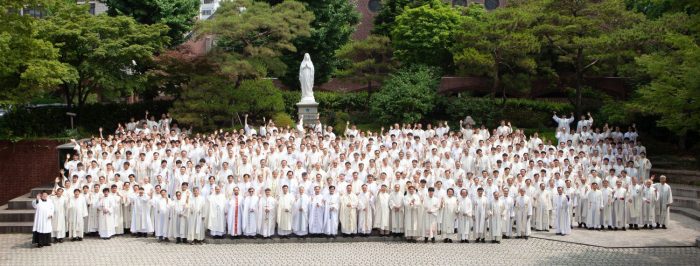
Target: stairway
17,216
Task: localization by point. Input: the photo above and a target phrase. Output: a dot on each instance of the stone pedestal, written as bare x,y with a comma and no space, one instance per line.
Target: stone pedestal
310,112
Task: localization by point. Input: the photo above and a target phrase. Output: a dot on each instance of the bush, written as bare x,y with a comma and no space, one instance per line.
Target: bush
258,98
522,112
407,96
283,120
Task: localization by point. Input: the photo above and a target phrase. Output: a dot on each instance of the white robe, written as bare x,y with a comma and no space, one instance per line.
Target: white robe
267,212
216,214
543,207
431,206
42,216
497,213
523,212
59,226
382,212
648,205
619,207
480,215
106,221
465,218
364,213
332,214
634,204
235,215
412,215
177,223
450,211
397,215
141,214
249,215
562,221
348,213
595,207
196,228
76,212
284,214
662,203
509,218
300,215
317,209
93,212
161,207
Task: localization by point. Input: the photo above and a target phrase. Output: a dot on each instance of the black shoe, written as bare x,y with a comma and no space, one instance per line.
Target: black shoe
466,241
493,241
526,237
425,240
658,225
580,225
663,227
610,227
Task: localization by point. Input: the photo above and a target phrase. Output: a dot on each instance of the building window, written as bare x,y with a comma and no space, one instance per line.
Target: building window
374,5
37,13
92,8
206,12
491,4
207,1
459,2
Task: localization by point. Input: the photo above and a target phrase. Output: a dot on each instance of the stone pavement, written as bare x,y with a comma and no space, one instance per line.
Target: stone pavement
675,246
683,231
16,250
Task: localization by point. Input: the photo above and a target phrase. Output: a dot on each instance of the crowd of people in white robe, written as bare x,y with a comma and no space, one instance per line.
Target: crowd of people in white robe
472,184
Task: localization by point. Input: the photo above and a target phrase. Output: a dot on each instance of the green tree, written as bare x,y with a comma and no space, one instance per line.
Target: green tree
388,11
334,21
406,96
250,41
107,53
582,35
673,92
423,35
258,97
367,60
497,43
178,15
29,65
207,103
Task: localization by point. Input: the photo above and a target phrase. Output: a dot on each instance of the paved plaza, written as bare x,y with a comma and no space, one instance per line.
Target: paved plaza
674,246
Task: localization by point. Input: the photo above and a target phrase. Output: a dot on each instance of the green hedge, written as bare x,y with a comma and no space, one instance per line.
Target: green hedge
521,112
24,122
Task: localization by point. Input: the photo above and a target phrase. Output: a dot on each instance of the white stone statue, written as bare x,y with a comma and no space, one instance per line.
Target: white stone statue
306,78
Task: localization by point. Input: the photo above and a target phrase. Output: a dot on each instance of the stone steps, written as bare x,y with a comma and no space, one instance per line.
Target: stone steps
16,227
23,202
687,202
7,215
685,191
35,191
691,213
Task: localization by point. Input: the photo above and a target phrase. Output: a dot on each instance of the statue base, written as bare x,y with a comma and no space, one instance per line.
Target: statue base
310,112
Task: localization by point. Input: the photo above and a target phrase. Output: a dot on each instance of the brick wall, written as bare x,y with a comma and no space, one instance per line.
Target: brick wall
25,165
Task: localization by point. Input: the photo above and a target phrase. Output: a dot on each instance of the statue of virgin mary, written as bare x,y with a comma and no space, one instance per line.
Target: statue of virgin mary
306,78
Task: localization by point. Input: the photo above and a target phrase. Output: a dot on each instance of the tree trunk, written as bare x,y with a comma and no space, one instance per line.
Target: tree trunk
369,90
681,141
579,81
496,82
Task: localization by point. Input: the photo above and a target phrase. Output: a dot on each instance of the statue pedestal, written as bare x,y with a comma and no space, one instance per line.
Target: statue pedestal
310,112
